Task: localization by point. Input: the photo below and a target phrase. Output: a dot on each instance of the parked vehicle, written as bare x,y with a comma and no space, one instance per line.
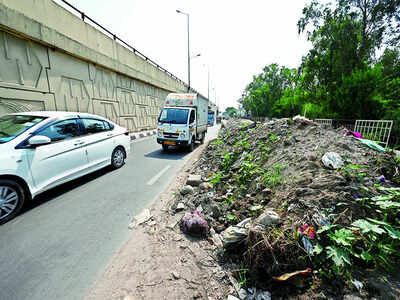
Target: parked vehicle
182,121
211,118
40,150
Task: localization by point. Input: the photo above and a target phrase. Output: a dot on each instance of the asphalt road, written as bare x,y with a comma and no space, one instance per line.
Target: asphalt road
64,239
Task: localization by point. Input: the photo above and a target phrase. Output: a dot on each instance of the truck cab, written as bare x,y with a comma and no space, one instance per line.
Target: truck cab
182,121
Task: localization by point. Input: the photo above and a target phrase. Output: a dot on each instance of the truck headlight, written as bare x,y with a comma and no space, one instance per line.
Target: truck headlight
182,135
159,133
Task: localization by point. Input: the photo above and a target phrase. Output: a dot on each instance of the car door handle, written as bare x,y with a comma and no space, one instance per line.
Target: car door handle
110,134
78,143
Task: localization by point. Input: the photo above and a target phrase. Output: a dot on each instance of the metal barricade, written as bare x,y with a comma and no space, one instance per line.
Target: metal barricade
375,130
324,122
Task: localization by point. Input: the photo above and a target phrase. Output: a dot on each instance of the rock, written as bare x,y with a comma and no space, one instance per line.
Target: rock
351,297
141,218
219,228
312,157
303,191
302,120
205,186
266,191
216,239
215,210
186,190
210,195
219,275
290,141
180,206
255,207
242,294
175,275
268,217
194,180
258,295
332,160
345,147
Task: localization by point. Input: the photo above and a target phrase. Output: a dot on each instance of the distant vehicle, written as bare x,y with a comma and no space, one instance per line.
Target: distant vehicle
182,121
40,150
211,118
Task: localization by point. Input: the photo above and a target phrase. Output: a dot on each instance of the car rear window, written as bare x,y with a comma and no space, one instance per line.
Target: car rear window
13,125
95,125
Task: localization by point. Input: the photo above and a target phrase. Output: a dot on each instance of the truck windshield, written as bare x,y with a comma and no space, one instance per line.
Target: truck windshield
174,115
13,125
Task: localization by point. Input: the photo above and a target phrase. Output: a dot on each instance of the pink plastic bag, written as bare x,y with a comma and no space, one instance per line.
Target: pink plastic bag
194,224
354,133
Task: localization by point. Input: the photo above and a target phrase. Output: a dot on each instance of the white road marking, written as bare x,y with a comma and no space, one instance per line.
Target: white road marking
156,177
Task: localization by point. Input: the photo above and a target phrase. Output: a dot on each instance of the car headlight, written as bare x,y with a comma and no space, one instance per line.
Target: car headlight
182,134
159,133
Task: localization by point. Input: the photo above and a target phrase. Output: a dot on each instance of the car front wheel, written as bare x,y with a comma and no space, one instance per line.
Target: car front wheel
12,199
118,158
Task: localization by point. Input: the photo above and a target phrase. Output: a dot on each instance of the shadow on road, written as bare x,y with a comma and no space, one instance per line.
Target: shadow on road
173,153
64,188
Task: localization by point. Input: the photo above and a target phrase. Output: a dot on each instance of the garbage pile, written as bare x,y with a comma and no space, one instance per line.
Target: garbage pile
297,205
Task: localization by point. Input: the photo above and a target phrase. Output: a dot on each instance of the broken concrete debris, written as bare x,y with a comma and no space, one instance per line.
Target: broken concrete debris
141,218
194,180
268,188
180,206
186,190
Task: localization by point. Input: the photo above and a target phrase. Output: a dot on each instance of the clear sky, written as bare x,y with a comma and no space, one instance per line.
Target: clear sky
236,39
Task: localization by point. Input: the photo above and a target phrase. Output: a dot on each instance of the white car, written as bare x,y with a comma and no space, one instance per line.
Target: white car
40,150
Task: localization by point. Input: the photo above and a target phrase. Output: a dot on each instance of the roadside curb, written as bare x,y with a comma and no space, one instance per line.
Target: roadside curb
142,134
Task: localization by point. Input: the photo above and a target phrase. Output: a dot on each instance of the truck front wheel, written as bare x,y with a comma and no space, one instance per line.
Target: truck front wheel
203,136
191,146
165,147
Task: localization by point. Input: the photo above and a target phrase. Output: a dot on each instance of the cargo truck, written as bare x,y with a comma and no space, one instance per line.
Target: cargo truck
182,121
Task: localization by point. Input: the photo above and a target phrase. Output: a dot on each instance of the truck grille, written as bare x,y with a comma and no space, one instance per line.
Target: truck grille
171,135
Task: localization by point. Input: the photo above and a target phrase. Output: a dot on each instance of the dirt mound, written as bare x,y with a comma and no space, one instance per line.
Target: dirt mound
336,221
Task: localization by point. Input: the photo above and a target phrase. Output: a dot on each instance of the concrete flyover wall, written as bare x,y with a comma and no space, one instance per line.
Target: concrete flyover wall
52,60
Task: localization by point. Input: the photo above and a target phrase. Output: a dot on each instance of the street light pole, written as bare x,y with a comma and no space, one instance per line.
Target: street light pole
208,80
208,85
187,15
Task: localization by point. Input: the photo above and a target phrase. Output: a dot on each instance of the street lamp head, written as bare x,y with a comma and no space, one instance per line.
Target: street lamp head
197,55
181,12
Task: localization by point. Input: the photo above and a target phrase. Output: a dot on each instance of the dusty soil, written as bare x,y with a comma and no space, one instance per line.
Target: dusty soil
159,262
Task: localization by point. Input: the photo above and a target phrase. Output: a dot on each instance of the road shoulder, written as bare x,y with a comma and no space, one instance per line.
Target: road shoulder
159,262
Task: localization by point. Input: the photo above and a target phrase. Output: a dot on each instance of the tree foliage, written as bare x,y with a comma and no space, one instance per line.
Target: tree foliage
230,112
342,75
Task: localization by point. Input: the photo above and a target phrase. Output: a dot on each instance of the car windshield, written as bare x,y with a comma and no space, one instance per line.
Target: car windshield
174,115
13,125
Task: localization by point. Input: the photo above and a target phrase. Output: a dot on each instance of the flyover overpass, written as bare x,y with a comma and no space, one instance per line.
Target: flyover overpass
51,59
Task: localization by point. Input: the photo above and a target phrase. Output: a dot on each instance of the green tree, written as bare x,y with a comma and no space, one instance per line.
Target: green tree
267,88
230,111
345,36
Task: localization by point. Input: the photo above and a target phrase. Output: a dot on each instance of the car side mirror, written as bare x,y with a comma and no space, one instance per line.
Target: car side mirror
39,140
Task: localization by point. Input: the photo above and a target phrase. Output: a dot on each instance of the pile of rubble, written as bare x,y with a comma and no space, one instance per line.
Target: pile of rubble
275,195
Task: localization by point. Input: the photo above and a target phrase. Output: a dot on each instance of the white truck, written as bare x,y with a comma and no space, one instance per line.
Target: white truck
182,121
